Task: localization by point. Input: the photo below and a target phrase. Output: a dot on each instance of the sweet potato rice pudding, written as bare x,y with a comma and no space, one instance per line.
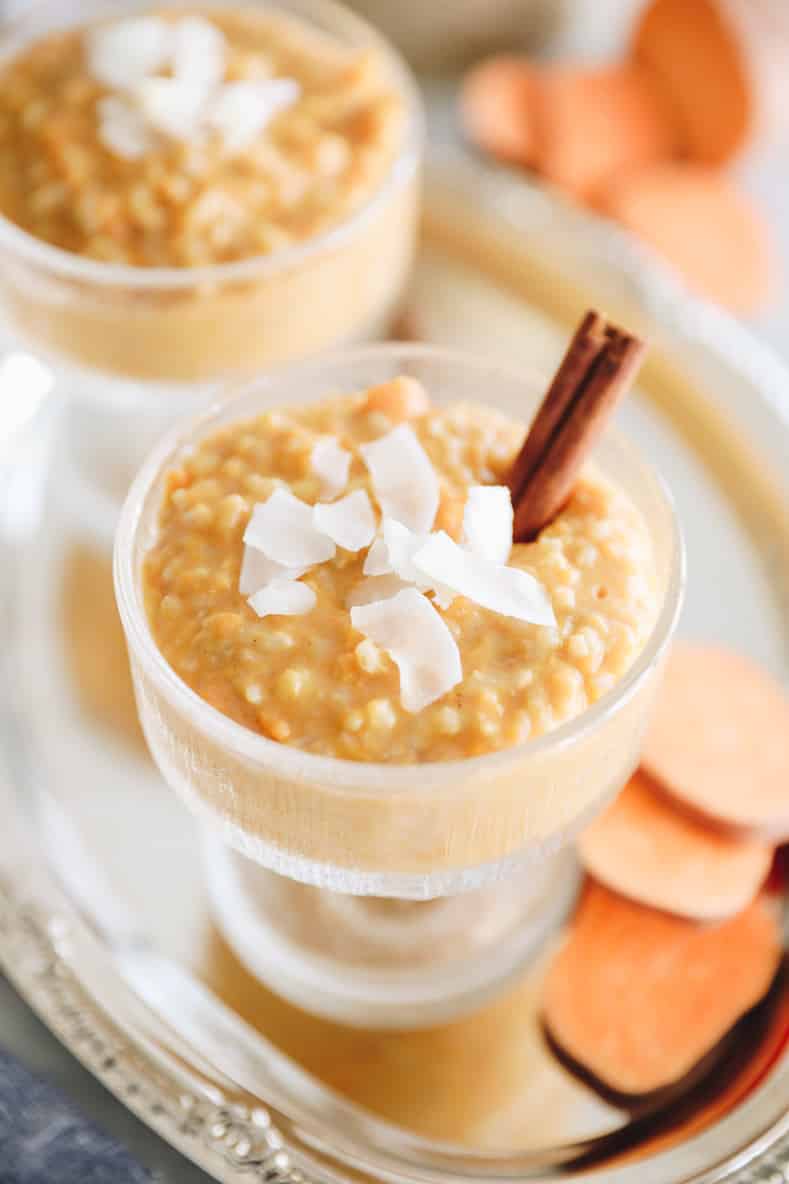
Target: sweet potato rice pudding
281,156
341,578
187,139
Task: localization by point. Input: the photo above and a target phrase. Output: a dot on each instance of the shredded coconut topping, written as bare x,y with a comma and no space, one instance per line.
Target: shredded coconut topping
285,537
257,570
130,58
488,522
404,481
284,598
505,590
332,464
123,129
418,642
350,522
198,53
283,528
375,588
123,54
240,111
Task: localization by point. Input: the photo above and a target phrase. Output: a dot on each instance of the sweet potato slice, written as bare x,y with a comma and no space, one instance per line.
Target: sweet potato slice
594,124
698,61
638,998
701,224
719,740
647,849
496,108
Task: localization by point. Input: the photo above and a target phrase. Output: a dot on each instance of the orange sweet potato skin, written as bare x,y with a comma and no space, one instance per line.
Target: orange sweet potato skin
647,849
591,125
719,740
701,224
638,997
696,59
497,108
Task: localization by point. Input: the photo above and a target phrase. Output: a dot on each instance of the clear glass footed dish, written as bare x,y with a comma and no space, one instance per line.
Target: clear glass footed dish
405,831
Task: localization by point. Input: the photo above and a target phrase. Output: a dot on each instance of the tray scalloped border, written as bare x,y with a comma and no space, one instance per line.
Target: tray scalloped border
236,1141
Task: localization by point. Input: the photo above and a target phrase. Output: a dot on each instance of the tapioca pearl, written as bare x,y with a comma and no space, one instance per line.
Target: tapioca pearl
203,463
369,657
200,515
232,513
277,641
171,606
567,691
564,599
260,487
381,715
294,683
519,728
234,468
601,684
587,555
448,721
353,721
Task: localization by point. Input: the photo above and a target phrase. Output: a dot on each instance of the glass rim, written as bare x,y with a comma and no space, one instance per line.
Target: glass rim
338,772
73,266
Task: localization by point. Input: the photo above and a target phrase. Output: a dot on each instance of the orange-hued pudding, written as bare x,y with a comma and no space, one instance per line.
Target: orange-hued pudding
236,182
340,656
314,680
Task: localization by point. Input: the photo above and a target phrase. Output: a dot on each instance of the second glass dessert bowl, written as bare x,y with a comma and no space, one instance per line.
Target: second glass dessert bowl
376,893
181,326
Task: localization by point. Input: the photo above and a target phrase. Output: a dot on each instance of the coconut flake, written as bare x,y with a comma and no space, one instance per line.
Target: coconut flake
121,55
257,570
505,590
172,106
418,642
404,480
402,545
487,522
198,54
283,529
350,522
332,464
375,588
283,598
376,562
241,110
122,129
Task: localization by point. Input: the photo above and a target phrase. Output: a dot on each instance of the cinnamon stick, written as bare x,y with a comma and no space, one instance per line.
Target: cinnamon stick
598,368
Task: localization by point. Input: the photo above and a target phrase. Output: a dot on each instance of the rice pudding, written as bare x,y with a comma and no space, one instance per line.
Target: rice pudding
214,188
314,670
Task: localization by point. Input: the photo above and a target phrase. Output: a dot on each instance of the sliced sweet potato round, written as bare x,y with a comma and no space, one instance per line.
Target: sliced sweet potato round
645,848
496,108
701,224
594,124
638,998
719,740
698,60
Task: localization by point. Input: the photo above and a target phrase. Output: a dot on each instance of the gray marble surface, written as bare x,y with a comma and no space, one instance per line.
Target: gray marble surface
25,1037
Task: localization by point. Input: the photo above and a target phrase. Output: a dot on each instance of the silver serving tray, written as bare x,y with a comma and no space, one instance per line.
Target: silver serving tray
104,926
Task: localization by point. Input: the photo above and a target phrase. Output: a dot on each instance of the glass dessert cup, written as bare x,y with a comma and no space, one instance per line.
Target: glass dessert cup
172,326
494,828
